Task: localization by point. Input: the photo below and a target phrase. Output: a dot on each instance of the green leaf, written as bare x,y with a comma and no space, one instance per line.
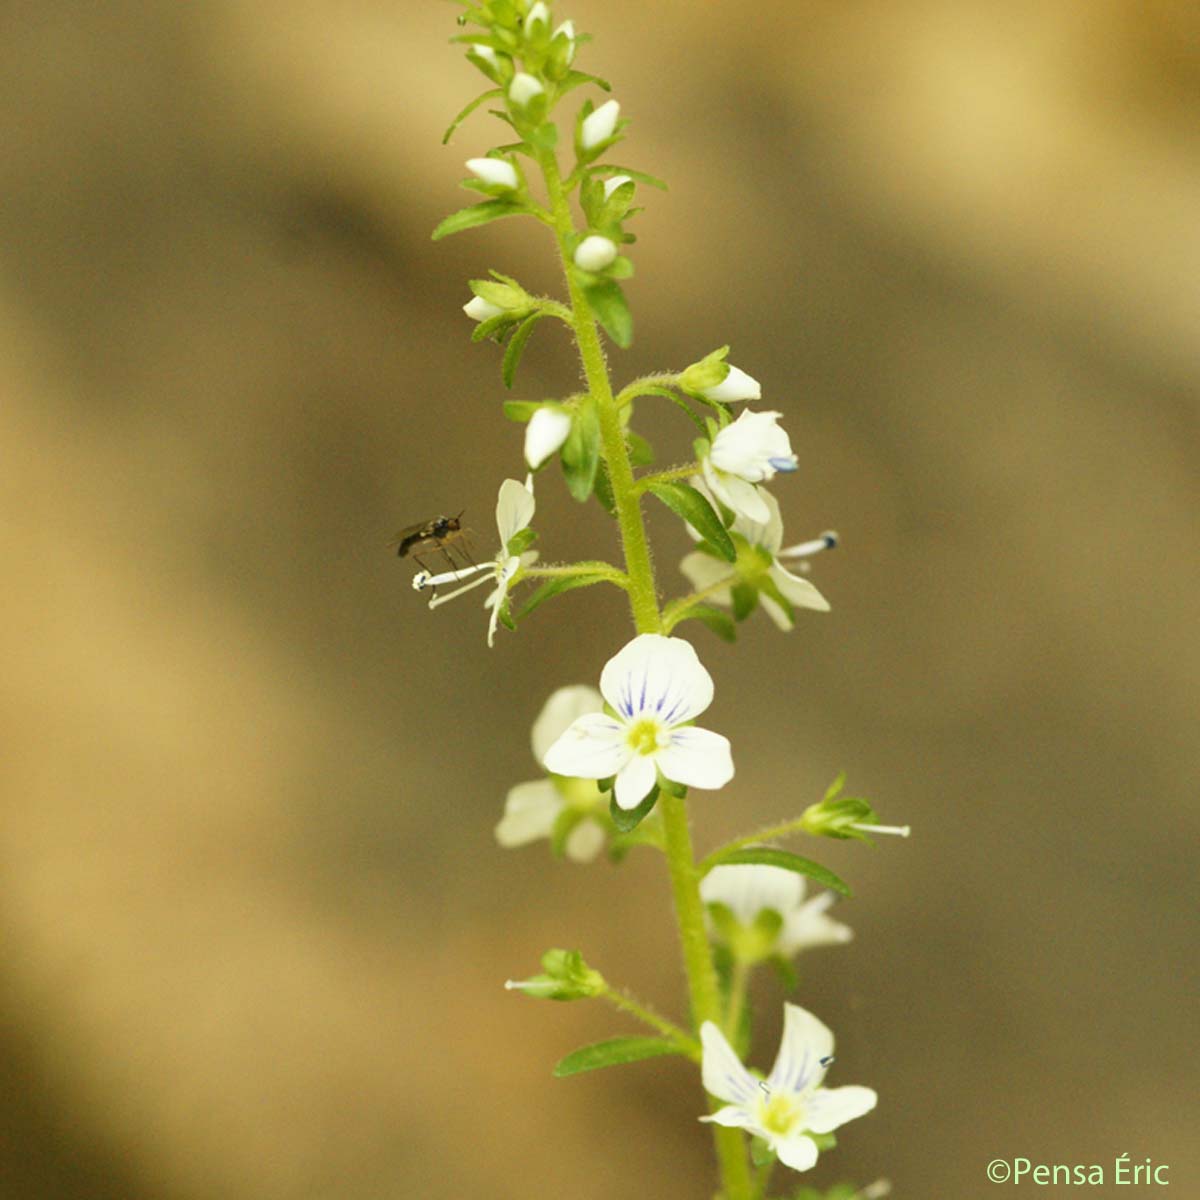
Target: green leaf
628,819
612,311
685,501
770,856
721,623
555,587
477,214
614,1052
604,492
483,98
581,451
576,79
516,347
520,411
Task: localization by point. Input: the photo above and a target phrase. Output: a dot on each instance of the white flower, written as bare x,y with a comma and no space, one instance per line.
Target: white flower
514,511
746,889
595,253
548,428
704,571
566,30
599,126
532,810
791,1103
524,88
539,13
737,385
656,686
495,171
479,309
744,454
611,184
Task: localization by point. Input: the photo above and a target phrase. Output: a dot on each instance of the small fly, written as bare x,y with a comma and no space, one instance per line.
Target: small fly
441,534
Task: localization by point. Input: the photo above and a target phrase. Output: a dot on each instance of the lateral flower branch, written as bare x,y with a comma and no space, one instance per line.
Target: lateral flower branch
618,763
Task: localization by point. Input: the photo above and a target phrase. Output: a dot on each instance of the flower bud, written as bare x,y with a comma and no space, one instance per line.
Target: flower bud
524,89
563,43
567,977
548,428
599,126
611,185
539,14
494,171
479,309
715,379
753,448
595,253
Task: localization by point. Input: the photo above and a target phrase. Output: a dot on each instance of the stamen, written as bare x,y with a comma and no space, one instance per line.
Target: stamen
762,1086
826,1062
827,541
451,576
893,830
466,587
421,580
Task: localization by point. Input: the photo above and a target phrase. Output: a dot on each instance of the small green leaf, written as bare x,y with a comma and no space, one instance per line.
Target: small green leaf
721,623
577,78
477,214
520,411
581,451
612,311
483,98
685,501
516,347
614,1052
555,587
770,856
603,490
627,819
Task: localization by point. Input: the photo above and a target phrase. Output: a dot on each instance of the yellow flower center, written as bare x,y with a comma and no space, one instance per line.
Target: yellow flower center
643,736
782,1114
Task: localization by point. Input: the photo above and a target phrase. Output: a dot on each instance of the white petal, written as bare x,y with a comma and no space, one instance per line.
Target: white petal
799,1153
754,447
524,88
776,612
599,126
769,535
697,758
830,1108
744,498
479,309
594,747
658,677
585,841
548,428
810,925
530,811
611,184
595,253
559,712
748,888
494,171
796,590
805,1042
733,1116
634,781
724,1075
737,385
702,571
514,510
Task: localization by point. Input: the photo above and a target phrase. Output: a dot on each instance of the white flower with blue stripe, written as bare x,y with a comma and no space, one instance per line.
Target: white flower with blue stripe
790,1105
750,451
654,687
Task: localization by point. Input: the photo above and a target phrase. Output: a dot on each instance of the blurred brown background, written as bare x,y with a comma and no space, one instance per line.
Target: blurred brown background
254,920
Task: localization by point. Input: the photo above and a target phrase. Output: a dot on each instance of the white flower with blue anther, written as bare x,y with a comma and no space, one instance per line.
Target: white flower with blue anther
750,451
790,1105
655,687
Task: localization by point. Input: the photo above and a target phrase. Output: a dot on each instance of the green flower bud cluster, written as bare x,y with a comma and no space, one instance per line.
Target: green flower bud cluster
565,977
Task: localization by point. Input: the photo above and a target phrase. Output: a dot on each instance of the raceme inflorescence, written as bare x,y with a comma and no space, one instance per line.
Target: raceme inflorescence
617,763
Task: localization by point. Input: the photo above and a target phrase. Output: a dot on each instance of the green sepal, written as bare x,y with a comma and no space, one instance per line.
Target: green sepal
483,98
621,268
678,790
516,347
606,784
581,450
555,586
627,819
745,600
785,971
608,302
761,1154
544,136
641,453
637,176
686,502
478,214
721,623
771,856
520,411
504,616
521,541
769,587
574,79
615,1052
602,487
825,1141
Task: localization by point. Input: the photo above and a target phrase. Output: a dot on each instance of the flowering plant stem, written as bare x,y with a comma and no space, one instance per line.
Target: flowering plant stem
643,599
